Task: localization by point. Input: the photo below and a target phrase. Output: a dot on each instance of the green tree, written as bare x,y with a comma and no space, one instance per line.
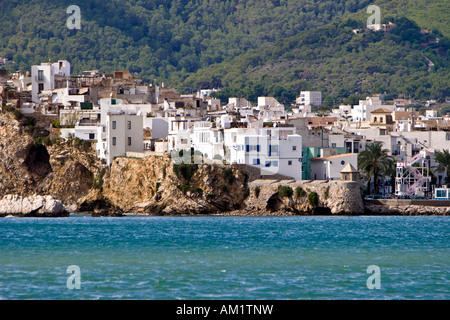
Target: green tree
374,162
442,158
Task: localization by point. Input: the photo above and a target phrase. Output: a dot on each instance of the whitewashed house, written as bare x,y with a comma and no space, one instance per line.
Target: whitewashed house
330,167
309,98
274,150
43,77
122,133
363,111
208,140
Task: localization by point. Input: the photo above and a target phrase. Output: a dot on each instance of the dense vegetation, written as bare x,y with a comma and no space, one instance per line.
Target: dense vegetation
334,60
248,47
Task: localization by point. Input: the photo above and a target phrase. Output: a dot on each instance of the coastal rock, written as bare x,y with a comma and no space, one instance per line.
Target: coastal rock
155,186
333,197
64,169
32,206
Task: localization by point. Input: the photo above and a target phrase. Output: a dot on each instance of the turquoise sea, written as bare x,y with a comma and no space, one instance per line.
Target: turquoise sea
222,257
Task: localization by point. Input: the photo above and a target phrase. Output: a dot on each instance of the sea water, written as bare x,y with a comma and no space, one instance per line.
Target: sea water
223,257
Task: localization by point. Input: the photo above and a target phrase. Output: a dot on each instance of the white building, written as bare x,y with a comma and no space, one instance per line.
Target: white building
122,133
180,132
208,140
330,167
274,150
363,111
309,98
43,77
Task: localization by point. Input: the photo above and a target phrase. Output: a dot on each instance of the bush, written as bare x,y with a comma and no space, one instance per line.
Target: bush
46,141
299,192
185,170
98,181
228,176
313,198
187,187
257,191
210,196
285,192
56,124
17,114
246,193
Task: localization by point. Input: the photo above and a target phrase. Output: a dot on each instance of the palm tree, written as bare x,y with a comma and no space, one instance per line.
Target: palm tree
442,158
376,162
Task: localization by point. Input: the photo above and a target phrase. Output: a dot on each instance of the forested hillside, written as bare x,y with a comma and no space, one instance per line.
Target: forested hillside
338,62
155,38
246,47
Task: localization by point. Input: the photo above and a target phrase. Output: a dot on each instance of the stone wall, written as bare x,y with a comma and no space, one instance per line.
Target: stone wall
407,207
334,197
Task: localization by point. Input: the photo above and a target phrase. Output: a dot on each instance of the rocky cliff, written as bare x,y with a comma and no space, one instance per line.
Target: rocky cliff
38,178
70,172
155,185
62,169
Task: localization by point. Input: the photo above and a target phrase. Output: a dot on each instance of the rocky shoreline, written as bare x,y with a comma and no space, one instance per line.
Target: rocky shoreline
32,206
66,177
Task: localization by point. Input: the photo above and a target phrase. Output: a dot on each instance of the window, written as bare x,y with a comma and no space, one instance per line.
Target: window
91,136
114,124
256,161
114,141
289,162
40,75
129,125
333,145
342,162
129,141
294,148
273,150
254,147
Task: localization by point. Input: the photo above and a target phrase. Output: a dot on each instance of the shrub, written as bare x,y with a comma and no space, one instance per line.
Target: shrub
17,114
285,192
210,196
187,187
313,198
56,124
46,141
246,193
257,191
228,176
98,181
185,170
299,192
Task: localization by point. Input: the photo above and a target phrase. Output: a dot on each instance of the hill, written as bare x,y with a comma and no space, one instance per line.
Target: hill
248,47
154,38
340,63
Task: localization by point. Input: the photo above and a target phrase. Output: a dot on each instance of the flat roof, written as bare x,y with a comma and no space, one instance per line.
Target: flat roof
335,156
